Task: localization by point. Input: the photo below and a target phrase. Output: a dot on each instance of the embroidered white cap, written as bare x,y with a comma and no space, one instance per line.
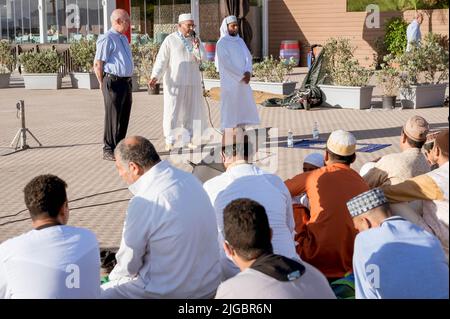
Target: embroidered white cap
342,143
185,17
231,19
315,159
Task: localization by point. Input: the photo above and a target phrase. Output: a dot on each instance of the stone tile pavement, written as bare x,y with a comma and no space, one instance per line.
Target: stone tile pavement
69,124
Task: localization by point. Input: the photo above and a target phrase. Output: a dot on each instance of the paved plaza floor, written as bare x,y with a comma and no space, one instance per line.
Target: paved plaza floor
69,124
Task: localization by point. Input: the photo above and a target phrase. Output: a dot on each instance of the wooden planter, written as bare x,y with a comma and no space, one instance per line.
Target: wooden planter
42,81
347,97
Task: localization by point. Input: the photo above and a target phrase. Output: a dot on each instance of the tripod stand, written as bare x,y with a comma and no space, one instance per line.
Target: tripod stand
21,136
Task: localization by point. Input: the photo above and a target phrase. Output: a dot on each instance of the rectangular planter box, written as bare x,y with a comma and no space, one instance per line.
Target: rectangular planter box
269,87
419,96
4,80
81,80
347,97
42,81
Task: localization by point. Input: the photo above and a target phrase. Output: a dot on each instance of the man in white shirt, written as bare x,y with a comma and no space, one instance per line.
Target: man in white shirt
179,61
53,260
413,34
234,63
242,179
169,242
264,275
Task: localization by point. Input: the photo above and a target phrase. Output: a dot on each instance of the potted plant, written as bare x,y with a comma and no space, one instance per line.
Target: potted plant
147,55
82,53
6,62
273,76
135,78
389,80
423,69
346,81
211,77
41,69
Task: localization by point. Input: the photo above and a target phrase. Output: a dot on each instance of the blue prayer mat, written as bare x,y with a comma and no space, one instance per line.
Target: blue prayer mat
321,145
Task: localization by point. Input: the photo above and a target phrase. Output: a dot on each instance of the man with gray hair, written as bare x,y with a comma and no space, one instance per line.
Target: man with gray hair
393,258
113,66
413,34
178,61
169,243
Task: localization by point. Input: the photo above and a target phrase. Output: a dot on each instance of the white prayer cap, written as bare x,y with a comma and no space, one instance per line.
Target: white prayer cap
342,143
315,159
185,17
231,19
366,168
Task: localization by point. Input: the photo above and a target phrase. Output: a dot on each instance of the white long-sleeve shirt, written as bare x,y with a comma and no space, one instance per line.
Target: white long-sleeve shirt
249,181
413,34
169,240
58,262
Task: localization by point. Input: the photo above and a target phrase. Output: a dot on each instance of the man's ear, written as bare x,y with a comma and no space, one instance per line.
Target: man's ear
366,222
228,250
135,169
326,157
64,213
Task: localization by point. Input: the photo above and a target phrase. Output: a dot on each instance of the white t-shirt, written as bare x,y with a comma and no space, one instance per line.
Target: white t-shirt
55,262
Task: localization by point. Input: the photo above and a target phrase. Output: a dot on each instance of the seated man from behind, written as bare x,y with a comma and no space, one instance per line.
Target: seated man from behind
169,243
243,179
326,239
395,168
53,260
264,275
394,258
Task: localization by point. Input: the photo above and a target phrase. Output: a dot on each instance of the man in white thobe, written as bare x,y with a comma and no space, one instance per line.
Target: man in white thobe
234,63
178,61
244,180
169,243
413,34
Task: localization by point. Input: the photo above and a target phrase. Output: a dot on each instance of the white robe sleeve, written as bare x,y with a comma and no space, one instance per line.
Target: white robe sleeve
162,60
225,62
249,60
130,256
3,283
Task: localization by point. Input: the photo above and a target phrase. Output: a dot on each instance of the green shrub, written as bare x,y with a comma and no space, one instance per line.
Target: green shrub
47,61
209,69
273,70
395,36
82,53
340,65
6,58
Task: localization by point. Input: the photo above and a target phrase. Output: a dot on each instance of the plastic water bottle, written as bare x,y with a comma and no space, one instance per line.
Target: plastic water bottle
290,139
315,132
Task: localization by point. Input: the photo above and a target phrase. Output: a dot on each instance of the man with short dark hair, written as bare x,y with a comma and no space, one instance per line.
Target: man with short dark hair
393,258
169,242
264,274
243,179
326,239
53,260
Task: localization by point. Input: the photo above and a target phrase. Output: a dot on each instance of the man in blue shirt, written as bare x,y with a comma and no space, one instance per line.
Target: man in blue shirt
113,67
413,34
394,258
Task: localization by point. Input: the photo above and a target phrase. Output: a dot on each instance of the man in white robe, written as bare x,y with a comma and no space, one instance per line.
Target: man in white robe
179,61
234,63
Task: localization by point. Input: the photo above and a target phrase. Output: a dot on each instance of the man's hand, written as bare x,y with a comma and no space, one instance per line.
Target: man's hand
152,83
247,77
196,43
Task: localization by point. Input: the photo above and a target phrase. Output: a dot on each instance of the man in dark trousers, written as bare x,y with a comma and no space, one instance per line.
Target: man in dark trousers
113,67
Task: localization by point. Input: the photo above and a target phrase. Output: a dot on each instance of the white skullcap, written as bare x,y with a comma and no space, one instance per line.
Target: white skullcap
366,168
342,143
315,159
185,17
231,19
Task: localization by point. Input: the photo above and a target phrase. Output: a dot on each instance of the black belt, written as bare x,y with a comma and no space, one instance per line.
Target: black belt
115,77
